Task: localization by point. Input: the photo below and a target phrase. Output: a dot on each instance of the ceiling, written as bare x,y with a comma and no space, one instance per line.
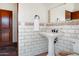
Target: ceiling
52,4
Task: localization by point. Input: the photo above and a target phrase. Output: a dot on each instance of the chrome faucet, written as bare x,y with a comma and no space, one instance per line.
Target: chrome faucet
55,30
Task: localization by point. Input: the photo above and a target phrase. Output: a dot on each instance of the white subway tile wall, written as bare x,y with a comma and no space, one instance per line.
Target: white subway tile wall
70,35
30,42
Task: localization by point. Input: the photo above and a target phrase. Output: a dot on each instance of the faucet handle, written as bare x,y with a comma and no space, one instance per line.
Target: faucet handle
56,39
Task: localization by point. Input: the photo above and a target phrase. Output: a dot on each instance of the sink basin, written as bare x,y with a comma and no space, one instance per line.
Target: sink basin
51,36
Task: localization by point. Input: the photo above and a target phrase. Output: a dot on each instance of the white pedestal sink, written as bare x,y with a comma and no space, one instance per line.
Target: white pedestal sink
51,36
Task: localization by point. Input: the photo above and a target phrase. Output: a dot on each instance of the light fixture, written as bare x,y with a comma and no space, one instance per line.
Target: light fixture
36,17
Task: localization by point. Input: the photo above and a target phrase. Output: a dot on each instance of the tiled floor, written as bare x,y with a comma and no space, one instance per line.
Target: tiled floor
8,51
42,54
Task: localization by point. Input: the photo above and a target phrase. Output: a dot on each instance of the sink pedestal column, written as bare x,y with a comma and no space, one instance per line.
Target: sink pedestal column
50,46
51,37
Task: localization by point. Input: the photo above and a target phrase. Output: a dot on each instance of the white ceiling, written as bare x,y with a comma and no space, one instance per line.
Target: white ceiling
52,4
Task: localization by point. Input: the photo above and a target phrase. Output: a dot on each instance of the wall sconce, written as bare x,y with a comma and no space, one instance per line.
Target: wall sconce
36,22
36,17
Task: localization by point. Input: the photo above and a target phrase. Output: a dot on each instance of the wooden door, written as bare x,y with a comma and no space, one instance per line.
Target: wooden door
5,27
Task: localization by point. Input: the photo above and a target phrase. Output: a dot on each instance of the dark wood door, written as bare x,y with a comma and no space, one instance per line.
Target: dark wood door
5,27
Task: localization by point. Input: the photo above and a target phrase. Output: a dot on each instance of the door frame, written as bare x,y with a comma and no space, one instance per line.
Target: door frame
17,31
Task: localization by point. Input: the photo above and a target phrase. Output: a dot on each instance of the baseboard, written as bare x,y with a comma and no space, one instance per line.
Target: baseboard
42,54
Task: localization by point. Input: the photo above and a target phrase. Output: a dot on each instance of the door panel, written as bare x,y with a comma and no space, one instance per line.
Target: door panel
5,38
5,27
5,22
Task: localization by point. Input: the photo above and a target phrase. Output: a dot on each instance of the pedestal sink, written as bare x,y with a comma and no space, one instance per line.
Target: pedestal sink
51,36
